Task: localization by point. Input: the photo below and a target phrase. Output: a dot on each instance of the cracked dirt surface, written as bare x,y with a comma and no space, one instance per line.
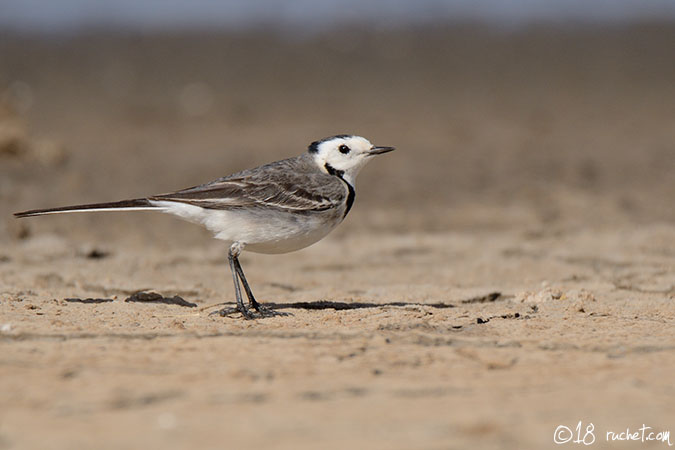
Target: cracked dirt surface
498,287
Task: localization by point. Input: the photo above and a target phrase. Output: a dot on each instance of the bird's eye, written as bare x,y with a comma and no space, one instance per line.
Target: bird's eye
344,149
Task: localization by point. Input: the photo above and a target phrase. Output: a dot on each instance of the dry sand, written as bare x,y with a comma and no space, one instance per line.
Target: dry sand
509,269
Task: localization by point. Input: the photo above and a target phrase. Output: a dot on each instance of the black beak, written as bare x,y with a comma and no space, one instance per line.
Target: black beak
379,150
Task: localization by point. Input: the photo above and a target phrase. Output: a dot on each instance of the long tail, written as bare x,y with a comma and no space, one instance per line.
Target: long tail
138,204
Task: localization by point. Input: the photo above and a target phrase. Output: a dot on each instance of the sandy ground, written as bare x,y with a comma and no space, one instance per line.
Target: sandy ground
509,269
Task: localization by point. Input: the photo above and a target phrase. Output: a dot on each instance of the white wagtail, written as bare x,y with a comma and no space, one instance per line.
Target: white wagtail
276,208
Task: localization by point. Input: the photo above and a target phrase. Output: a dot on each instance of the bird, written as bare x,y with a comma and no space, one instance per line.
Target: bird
275,208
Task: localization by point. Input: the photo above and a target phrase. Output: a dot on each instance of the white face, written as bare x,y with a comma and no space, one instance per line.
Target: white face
347,154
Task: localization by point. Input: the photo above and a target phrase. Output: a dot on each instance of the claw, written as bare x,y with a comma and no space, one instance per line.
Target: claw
265,311
225,312
260,312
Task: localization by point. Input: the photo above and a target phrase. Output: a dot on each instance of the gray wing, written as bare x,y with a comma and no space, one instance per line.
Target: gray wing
292,184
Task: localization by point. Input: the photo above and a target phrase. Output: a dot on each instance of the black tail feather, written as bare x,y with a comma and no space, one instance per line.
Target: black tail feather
124,204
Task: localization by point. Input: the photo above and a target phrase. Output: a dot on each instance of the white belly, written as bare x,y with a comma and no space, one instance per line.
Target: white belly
260,230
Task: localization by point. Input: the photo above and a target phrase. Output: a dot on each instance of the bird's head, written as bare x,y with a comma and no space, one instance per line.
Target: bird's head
344,155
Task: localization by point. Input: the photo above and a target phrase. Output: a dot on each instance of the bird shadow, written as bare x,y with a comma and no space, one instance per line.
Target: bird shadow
152,297
340,306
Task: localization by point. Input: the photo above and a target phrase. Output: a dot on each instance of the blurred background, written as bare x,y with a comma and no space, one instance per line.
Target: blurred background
530,113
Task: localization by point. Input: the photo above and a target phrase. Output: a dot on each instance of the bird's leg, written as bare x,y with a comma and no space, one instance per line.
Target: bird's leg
252,303
262,310
234,263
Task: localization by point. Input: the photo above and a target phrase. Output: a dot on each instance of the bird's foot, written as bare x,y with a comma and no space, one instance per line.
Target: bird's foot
226,312
266,311
256,311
